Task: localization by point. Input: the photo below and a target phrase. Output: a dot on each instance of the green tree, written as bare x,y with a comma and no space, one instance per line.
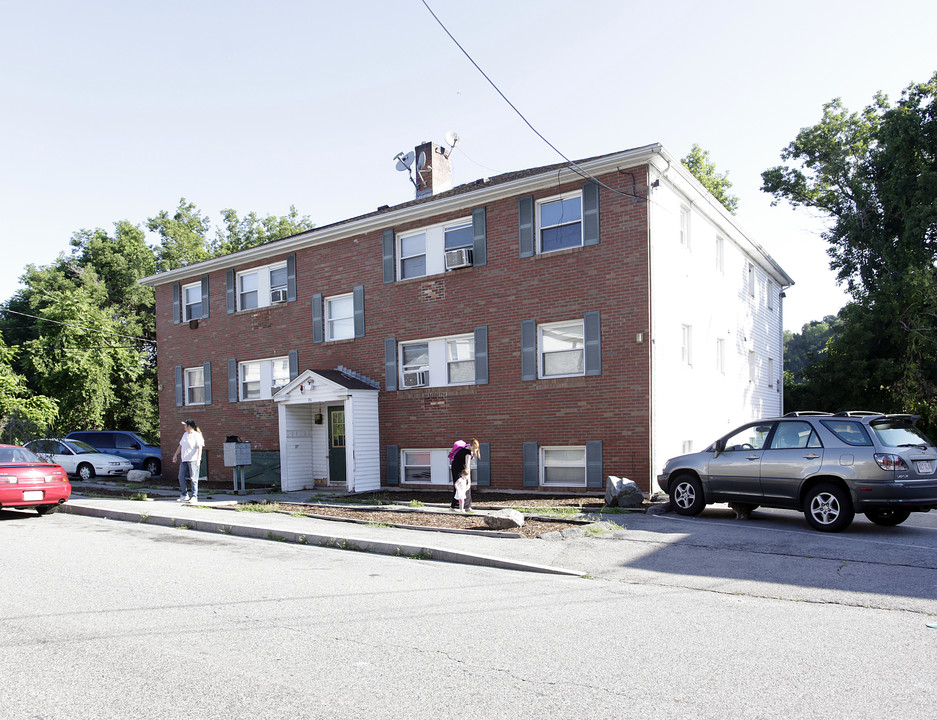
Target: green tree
183,236
704,169
874,175
251,230
23,414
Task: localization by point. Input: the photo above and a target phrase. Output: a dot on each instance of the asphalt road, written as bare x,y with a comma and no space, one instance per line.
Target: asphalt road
682,618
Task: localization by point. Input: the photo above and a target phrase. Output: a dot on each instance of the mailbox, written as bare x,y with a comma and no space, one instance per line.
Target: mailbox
237,453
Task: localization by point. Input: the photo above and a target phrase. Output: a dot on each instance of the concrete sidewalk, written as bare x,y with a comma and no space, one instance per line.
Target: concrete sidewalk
218,514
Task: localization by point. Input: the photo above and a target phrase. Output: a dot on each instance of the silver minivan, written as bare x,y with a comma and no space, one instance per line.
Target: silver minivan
827,465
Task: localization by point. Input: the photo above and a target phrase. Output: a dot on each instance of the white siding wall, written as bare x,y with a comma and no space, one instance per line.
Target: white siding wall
695,403
296,447
367,447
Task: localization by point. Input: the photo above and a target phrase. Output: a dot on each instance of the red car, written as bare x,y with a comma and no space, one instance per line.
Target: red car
29,482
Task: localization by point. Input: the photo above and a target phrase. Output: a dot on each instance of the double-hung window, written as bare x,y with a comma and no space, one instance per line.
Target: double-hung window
261,379
195,386
339,317
563,466
429,466
262,286
559,222
438,361
422,252
191,302
561,348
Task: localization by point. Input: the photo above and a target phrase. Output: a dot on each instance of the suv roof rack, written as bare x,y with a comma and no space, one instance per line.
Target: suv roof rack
802,413
856,413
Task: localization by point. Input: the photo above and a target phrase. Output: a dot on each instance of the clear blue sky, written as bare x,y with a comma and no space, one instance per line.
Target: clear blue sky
115,110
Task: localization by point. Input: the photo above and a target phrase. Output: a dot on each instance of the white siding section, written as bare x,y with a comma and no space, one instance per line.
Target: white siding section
365,460
705,286
297,447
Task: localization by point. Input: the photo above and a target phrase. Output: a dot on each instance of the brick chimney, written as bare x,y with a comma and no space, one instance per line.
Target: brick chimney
435,176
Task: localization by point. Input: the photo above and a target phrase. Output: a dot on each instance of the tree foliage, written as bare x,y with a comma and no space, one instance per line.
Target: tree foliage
874,175
78,341
704,169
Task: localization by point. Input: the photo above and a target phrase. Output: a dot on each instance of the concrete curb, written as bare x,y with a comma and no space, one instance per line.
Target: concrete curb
331,540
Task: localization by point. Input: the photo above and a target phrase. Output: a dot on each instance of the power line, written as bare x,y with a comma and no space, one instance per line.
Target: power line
573,166
80,327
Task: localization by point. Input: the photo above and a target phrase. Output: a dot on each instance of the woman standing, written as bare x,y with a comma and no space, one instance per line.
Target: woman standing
460,461
190,449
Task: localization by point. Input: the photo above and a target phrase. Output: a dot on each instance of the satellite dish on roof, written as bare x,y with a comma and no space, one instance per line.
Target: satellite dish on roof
404,162
421,161
452,137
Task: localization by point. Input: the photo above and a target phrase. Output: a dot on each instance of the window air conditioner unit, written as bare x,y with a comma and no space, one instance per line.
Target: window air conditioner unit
415,378
278,296
458,258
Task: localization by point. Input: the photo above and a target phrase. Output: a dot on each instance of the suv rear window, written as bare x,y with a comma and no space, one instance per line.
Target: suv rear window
898,433
849,431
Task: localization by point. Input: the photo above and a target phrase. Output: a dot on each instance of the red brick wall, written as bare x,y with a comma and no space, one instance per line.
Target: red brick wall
611,277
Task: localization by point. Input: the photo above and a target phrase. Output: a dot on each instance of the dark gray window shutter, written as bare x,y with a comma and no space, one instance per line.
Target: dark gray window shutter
176,303
390,363
232,380
592,326
387,255
180,388
358,299
204,296
483,465
393,465
529,350
291,277
318,332
594,464
481,355
531,464
525,219
206,374
294,364
480,241
590,213
230,292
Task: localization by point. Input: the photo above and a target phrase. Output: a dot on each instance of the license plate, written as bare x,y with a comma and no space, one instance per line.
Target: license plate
33,495
925,467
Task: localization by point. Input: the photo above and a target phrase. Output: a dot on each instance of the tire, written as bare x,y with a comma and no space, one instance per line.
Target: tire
828,508
152,466
686,495
85,471
46,509
888,517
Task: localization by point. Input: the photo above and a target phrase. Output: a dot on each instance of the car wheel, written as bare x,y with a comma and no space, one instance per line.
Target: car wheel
888,517
85,471
828,508
686,495
152,466
46,509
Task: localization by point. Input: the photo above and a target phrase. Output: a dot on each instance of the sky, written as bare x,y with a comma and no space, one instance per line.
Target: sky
115,110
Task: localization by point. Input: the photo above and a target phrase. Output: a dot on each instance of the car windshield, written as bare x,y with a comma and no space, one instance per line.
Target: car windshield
17,455
79,447
898,433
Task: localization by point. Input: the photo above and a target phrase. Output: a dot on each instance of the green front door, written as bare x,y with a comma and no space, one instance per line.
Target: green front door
336,445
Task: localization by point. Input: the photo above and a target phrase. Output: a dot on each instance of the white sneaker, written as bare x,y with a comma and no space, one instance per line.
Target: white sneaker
193,499
182,498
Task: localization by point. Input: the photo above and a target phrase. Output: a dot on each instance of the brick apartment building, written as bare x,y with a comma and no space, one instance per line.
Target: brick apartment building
579,321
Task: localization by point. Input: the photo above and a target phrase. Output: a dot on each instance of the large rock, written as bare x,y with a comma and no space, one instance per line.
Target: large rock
504,519
138,476
622,492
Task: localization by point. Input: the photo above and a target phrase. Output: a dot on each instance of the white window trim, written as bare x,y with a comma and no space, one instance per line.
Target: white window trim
771,293
539,229
438,365
685,226
751,279
541,373
186,316
330,320
440,473
720,254
686,345
771,377
721,356
267,387
264,286
186,374
543,465
434,246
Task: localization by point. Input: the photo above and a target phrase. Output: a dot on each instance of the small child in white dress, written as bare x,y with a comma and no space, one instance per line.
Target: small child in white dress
461,487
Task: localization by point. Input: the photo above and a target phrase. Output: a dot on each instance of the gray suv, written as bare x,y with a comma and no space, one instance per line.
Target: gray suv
130,445
829,466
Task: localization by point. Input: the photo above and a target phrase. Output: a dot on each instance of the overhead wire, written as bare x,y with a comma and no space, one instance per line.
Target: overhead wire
79,327
572,164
